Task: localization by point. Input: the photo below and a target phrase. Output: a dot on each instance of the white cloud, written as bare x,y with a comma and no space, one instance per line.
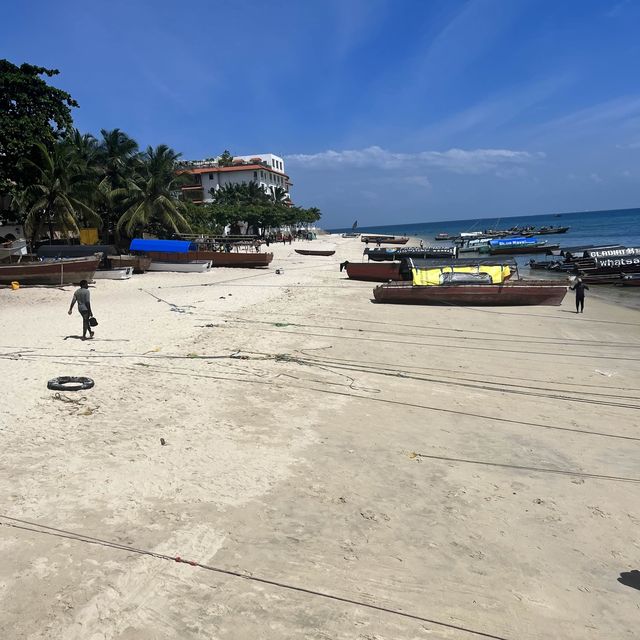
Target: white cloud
595,178
472,161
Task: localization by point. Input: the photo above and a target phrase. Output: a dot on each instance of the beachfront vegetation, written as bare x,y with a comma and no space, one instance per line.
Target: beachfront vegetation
56,179
147,197
58,194
31,111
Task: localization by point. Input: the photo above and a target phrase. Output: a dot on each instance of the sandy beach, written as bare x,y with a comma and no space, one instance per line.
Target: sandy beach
362,471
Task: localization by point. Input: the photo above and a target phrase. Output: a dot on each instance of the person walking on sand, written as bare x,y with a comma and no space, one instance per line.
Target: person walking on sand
579,287
83,297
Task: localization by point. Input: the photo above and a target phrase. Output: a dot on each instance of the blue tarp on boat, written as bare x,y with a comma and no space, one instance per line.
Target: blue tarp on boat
163,246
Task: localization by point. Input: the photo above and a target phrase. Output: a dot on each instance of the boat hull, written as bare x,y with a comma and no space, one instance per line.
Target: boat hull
114,274
384,240
54,272
517,250
530,292
197,266
139,264
217,258
314,252
632,280
373,271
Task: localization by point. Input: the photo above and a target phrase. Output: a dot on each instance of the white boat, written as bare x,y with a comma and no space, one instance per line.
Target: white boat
114,274
14,248
194,266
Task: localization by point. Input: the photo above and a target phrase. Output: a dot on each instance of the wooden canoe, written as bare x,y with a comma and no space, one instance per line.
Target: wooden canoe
315,252
516,293
50,272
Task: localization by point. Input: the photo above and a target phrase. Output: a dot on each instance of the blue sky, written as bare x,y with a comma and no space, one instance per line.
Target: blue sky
385,110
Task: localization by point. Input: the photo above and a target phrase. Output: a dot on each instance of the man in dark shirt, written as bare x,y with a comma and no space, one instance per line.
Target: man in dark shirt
579,287
83,297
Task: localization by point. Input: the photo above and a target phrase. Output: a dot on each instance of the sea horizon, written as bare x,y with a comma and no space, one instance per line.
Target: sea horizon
560,214
606,226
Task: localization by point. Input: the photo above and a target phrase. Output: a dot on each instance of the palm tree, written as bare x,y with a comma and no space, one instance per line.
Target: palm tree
280,196
148,196
57,195
117,154
84,146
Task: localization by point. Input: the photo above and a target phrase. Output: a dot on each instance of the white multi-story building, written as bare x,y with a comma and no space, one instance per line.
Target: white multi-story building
267,170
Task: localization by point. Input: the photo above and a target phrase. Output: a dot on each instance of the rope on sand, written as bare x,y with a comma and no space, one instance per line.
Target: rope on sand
34,527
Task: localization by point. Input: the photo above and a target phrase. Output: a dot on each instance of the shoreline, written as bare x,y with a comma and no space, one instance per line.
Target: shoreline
474,467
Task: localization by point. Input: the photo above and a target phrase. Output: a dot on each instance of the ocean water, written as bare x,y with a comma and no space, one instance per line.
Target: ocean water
591,227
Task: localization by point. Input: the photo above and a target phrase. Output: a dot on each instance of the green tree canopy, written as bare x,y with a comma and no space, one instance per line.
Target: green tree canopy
31,112
57,197
148,197
226,159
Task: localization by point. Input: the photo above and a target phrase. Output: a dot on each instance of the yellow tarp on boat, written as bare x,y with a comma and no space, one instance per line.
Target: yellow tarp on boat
432,277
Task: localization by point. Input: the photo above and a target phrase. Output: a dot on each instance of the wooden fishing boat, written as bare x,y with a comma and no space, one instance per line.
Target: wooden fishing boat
384,239
512,250
424,253
50,272
216,258
139,264
114,274
373,271
315,252
195,266
544,231
197,250
510,293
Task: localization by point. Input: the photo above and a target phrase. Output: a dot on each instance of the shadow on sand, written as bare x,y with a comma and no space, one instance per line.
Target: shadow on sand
630,579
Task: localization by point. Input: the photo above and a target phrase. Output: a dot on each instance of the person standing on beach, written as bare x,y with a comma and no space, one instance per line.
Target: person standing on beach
579,287
83,297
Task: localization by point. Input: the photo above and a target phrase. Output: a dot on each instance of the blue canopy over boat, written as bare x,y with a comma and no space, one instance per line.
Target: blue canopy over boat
163,246
502,242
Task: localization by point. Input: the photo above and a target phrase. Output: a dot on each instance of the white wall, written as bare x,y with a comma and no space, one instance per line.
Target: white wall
266,179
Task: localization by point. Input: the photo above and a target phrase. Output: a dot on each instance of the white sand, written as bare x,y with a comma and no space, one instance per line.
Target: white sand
274,469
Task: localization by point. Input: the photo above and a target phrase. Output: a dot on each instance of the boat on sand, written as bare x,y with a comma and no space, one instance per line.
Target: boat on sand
50,272
114,274
200,249
194,266
317,249
372,271
480,284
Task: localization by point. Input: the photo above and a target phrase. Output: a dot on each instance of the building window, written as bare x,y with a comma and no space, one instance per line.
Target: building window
255,175
211,176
